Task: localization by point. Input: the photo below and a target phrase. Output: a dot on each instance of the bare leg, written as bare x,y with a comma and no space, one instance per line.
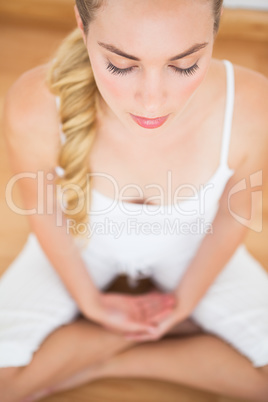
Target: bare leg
66,351
202,361
92,372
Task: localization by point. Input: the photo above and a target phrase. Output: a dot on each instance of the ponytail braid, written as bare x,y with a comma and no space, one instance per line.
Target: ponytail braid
71,78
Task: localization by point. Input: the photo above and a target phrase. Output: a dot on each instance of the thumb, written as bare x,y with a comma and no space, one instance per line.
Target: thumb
116,316
123,323
160,316
136,327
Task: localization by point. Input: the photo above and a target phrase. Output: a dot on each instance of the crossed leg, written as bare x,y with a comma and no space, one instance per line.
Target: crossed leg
66,351
202,361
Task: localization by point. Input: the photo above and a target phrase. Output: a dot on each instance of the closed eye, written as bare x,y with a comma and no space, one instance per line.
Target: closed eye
186,71
118,71
124,71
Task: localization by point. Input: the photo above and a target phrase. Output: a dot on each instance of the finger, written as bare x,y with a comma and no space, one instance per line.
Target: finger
157,318
164,296
153,310
123,323
144,308
155,296
165,323
159,305
134,311
160,330
153,314
130,328
143,337
147,308
148,337
138,311
157,302
140,328
151,304
144,312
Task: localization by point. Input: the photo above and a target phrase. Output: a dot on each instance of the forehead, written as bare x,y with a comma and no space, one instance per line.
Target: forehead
140,25
154,8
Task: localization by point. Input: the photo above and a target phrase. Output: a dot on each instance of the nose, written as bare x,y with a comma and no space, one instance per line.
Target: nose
151,94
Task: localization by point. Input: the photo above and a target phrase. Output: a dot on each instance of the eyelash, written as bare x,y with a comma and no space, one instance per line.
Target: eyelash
118,71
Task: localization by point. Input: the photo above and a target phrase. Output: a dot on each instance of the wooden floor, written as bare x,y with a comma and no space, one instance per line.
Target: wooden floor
25,45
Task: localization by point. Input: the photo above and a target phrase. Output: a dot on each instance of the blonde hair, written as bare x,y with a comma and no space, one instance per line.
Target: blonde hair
71,78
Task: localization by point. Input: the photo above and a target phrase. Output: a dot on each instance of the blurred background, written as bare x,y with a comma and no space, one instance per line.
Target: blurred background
30,30
250,4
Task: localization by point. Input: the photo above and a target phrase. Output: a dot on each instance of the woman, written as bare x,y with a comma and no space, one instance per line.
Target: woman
143,108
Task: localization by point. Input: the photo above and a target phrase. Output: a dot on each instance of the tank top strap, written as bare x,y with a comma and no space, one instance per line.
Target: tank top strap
229,107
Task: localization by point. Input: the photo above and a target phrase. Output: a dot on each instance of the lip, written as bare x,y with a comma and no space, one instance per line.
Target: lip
149,123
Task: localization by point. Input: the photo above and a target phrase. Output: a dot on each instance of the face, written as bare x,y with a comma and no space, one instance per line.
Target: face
149,58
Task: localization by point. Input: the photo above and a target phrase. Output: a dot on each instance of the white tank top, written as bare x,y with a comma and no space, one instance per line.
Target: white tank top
141,239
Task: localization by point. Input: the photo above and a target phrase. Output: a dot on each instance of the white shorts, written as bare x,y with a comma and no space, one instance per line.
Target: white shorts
34,302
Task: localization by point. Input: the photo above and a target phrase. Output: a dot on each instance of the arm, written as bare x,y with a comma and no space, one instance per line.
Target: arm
65,258
33,143
217,248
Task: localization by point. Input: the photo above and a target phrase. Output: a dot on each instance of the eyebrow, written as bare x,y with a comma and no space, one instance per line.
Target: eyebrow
193,49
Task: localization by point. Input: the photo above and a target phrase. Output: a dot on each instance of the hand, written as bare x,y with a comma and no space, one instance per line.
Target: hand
163,324
128,313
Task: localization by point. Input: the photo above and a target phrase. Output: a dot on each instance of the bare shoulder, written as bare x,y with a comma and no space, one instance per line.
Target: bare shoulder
250,126
251,92
250,114
30,120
